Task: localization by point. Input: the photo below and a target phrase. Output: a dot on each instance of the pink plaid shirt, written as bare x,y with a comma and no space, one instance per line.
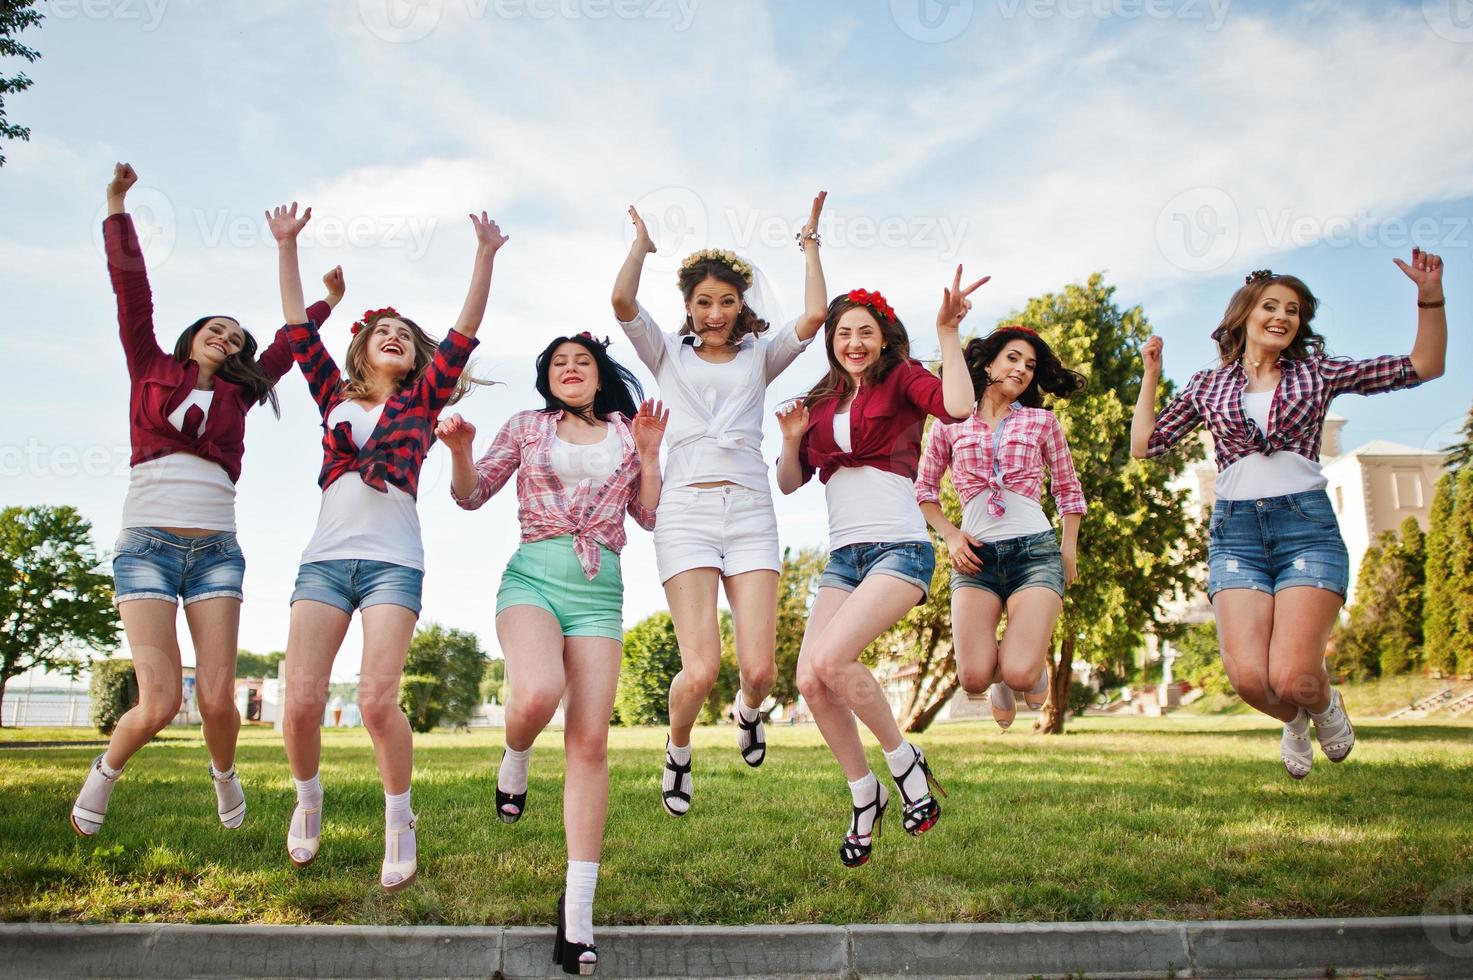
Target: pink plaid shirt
1296,415
593,516
1031,438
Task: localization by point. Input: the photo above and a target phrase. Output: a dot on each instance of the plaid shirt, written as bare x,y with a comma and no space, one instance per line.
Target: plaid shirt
1030,438
406,429
1296,415
592,515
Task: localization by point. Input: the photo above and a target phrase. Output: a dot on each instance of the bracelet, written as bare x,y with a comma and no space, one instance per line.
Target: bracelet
812,236
1432,306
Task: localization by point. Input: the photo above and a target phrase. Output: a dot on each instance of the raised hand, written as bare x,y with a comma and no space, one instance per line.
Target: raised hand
488,233
456,433
335,284
809,231
642,243
1151,356
1426,271
954,303
793,419
284,223
649,426
124,177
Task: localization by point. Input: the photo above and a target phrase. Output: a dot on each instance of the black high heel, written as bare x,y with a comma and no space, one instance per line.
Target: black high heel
855,850
919,815
518,800
568,954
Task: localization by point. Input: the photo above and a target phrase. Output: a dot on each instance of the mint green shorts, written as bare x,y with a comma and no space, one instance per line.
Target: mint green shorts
546,574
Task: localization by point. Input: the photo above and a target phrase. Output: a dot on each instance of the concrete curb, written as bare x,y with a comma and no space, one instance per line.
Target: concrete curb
1429,946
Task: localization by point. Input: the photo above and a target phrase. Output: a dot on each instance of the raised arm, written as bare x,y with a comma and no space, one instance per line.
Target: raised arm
285,225
815,292
1143,422
648,430
794,423
489,240
459,436
956,380
129,276
1429,350
276,358
626,285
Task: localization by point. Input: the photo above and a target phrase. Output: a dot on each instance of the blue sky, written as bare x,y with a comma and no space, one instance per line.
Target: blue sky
1173,144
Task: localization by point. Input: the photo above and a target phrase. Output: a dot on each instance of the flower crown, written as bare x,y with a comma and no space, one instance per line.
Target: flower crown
1018,328
1257,275
369,315
588,336
723,256
877,303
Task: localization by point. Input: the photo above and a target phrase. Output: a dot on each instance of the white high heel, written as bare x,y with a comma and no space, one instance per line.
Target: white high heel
398,874
303,850
90,807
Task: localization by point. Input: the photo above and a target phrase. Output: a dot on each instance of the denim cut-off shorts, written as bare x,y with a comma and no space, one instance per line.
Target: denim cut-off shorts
1014,564
153,564
1276,543
909,561
357,583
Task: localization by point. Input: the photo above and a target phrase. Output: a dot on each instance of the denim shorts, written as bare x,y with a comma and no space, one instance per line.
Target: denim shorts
153,564
357,583
1276,543
1014,564
909,561
547,574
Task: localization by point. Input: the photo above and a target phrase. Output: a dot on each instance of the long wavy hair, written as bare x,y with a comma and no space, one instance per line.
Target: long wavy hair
619,391
1232,333
355,383
239,368
1049,373
748,322
895,350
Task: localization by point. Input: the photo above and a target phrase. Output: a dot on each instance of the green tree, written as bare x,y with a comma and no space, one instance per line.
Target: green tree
249,664
493,685
1355,651
1198,660
55,608
112,691
1402,639
651,660
1440,653
442,677
15,16
1460,571
1460,453
795,593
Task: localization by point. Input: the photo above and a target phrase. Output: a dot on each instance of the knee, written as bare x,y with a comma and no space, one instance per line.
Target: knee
809,684
533,703
830,668
1298,686
379,710
1019,678
301,716
972,678
218,711
160,709
700,676
759,679
588,750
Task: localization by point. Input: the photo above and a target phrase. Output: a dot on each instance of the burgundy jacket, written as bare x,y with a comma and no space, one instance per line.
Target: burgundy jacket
159,384
885,425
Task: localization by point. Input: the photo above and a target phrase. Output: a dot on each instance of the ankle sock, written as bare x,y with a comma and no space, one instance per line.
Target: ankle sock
581,881
511,776
862,791
309,792
396,810
681,755
913,786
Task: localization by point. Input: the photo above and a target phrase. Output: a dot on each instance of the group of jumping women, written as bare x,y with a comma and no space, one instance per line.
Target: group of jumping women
1277,570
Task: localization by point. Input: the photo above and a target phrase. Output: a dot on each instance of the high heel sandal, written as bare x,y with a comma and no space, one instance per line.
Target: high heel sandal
407,871
856,847
1004,705
568,954
231,812
681,770
504,800
919,815
1036,697
306,845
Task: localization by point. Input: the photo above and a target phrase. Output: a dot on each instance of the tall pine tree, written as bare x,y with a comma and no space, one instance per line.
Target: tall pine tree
1439,653
1460,572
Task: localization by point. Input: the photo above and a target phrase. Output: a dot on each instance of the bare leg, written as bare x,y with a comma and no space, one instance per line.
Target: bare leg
592,665
974,617
317,630
387,630
1245,624
1303,618
149,626
753,599
1032,614
692,599
834,719
214,625
532,642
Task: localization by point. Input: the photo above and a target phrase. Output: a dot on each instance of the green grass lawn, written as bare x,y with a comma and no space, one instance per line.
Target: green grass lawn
1183,817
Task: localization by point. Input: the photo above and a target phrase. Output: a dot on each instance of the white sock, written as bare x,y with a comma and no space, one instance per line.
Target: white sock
1320,717
581,882
396,810
511,777
96,790
746,739
748,714
681,755
309,792
1300,724
229,797
899,760
862,791
108,770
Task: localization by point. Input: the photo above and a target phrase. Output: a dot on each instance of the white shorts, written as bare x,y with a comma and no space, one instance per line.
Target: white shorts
729,528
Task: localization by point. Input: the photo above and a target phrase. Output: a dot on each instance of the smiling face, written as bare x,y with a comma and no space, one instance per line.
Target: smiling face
572,375
1012,369
714,307
858,342
1273,323
389,350
219,338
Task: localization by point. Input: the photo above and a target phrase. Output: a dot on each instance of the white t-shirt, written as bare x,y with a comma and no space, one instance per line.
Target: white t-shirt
1256,476
355,520
575,463
868,505
181,489
1021,517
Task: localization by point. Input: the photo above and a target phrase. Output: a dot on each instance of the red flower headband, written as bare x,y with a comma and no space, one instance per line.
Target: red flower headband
368,316
588,335
1019,328
877,303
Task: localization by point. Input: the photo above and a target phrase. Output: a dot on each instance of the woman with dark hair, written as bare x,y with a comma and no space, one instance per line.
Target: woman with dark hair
860,430
1277,568
378,423
582,461
187,427
717,525
1005,556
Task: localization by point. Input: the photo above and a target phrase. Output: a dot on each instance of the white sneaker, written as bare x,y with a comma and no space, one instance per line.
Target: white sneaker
1294,748
229,797
1333,730
90,808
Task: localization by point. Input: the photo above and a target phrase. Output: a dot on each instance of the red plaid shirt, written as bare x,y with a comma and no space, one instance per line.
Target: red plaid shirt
592,515
406,429
1296,415
1031,439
